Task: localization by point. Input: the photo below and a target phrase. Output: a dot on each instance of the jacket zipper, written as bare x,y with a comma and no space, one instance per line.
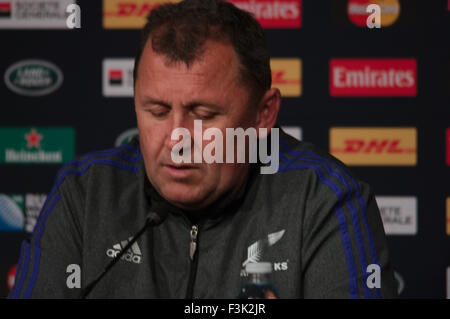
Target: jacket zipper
194,260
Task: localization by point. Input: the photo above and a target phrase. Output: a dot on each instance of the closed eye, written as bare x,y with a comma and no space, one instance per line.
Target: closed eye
158,111
203,113
159,114
205,116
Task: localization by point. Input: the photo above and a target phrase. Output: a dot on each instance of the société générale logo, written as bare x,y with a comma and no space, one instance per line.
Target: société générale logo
399,214
34,14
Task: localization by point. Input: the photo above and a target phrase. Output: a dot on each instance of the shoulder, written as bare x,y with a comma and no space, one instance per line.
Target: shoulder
102,165
305,162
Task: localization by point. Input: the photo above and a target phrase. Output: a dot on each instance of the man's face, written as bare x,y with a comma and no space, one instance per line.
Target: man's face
170,96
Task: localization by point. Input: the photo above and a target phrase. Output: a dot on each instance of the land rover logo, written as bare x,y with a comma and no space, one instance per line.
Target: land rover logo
33,77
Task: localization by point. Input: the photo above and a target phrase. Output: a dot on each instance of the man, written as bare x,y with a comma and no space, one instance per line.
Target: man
317,224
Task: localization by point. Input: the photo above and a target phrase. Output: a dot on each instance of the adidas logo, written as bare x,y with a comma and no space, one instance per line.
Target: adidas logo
133,254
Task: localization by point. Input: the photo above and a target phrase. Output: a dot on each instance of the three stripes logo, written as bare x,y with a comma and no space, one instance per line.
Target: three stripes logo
133,255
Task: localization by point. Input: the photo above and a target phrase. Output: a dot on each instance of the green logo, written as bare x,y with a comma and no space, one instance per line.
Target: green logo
33,77
126,136
37,145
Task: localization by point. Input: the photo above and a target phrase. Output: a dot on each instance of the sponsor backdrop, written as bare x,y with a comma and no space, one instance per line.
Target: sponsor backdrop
378,99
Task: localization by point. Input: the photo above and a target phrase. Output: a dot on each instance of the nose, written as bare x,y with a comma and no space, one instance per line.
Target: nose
181,128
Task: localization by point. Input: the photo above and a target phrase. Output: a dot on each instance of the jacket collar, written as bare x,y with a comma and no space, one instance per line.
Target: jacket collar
226,206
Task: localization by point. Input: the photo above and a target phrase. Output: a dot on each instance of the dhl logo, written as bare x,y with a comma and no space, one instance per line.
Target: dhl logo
131,9
128,14
374,146
286,75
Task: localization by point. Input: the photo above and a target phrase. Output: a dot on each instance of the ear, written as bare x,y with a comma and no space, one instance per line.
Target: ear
268,109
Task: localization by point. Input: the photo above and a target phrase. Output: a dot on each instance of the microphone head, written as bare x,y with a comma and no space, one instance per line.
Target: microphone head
158,213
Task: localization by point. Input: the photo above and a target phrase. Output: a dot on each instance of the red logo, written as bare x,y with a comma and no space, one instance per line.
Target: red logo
33,139
11,277
273,13
132,9
357,11
5,9
373,77
115,77
447,142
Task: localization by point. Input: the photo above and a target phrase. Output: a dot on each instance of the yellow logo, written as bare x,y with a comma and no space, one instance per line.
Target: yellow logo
448,215
128,14
383,146
287,76
390,11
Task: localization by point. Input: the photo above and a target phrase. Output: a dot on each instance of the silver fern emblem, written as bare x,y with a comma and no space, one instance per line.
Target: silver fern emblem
256,250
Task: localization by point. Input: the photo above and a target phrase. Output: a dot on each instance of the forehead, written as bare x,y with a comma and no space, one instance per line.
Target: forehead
216,66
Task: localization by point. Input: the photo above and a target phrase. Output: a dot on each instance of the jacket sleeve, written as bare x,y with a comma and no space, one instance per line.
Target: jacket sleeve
49,261
344,251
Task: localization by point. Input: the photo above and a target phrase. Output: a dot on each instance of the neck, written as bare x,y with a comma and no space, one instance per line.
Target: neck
216,206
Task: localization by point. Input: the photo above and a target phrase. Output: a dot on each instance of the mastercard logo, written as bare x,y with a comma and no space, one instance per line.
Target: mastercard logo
11,277
356,10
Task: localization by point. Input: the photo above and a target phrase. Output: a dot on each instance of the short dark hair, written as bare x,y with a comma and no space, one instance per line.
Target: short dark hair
179,31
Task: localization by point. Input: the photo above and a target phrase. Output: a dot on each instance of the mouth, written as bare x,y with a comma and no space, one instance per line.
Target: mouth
180,170
181,166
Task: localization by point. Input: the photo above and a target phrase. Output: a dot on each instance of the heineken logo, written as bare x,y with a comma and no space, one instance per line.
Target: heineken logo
36,145
33,77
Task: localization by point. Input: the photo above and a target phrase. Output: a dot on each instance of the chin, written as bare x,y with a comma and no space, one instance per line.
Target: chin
186,197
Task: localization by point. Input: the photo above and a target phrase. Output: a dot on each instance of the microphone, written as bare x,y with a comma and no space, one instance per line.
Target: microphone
154,218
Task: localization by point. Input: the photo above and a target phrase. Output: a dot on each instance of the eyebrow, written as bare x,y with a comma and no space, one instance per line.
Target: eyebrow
191,104
150,100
